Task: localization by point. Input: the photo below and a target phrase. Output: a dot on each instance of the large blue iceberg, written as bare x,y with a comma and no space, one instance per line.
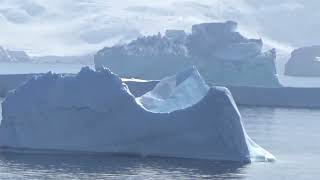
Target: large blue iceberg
94,111
222,55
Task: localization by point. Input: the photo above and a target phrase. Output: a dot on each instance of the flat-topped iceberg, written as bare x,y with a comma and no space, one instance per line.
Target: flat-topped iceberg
94,111
222,55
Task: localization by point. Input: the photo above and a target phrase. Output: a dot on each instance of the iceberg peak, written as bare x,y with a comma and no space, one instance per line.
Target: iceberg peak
176,92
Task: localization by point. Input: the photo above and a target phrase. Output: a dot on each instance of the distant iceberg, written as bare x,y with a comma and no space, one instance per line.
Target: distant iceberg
222,55
304,61
94,111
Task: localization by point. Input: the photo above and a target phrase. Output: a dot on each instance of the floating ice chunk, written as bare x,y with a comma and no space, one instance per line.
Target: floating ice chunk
94,111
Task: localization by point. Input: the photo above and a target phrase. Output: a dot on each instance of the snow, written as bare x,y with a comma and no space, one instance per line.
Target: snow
94,111
133,80
13,56
222,55
176,35
176,92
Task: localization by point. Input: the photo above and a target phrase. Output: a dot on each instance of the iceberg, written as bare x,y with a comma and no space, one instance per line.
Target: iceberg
222,55
94,111
304,61
9,82
176,92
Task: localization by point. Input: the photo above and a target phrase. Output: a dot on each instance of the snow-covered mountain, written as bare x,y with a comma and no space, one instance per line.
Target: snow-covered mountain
222,55
74,27
13,56
304,61
10,56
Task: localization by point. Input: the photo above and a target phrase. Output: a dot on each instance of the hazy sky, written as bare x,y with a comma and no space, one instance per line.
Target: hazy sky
71,27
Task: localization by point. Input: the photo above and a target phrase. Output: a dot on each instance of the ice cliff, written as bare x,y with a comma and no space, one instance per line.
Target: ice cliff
176,92
94,111
222,55
304,62
13,56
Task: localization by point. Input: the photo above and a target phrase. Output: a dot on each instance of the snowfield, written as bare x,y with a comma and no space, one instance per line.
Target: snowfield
7,55
94,111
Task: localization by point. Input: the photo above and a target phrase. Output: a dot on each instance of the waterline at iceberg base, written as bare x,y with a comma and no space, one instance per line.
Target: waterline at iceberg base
94,111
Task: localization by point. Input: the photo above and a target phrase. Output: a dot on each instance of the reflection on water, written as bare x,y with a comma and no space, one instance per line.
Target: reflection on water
98,167
292,135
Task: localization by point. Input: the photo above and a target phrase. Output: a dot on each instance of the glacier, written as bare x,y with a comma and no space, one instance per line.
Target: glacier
94,111
222,55
304,61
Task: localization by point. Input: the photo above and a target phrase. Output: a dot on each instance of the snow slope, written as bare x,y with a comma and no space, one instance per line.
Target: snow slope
94,111
218,50
13,56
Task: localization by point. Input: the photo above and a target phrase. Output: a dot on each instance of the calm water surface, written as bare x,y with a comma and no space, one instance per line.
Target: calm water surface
292,135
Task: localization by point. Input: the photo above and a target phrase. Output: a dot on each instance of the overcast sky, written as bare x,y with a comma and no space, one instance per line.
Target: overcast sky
72,27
